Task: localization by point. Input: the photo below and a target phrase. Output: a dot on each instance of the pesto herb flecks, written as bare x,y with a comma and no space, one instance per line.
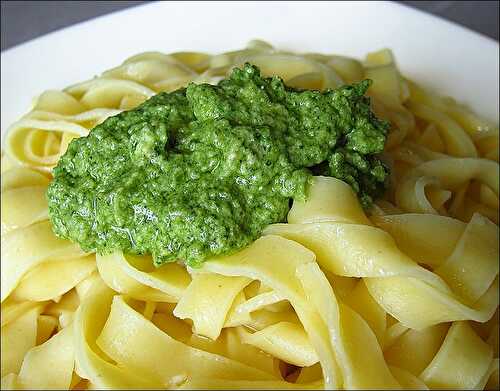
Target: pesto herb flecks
201,171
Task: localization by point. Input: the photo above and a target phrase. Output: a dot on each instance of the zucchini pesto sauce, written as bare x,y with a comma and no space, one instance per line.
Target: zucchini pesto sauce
201,171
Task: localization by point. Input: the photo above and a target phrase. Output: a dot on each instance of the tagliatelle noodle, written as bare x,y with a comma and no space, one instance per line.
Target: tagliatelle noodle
222,384
49,365
51,279
482,244
18,337
405,296
413,350
449,173
16,199
360,300
362,365
25,248
164,284
452,368
162,358
286,340
407,380
90,361
456,140
260,261
207,301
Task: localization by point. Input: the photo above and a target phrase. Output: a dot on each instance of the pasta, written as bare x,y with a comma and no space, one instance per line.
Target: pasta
404,296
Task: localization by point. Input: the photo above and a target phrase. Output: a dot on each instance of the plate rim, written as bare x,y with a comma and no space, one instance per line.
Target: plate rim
153,4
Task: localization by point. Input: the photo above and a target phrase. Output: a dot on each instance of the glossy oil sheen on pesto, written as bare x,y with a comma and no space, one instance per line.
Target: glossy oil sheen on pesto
201,171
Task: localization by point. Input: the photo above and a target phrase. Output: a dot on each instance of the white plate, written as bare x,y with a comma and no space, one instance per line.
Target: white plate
449,58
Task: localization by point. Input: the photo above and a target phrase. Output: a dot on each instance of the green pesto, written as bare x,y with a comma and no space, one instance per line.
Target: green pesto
201,171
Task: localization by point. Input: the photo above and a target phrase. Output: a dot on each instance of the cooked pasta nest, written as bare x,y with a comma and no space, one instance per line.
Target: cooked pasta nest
405,296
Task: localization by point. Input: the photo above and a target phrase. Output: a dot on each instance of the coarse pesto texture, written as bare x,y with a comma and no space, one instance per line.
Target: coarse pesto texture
201,171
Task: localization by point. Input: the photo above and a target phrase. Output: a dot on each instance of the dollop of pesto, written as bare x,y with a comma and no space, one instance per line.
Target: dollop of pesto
202,170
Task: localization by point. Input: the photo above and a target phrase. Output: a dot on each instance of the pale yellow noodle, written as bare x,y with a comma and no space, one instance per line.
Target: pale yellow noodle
404,295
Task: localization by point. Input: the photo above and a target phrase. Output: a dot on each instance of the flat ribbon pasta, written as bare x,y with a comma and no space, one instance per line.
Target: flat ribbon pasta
458,143
451,368
404,295
389,92
449,173
348,249
222,384
23,249
478,293
362,364
53,278
207,301
264,260
286,341
23,198
34,143
142,281
90,362
49,365
152,359
18,337
252,262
